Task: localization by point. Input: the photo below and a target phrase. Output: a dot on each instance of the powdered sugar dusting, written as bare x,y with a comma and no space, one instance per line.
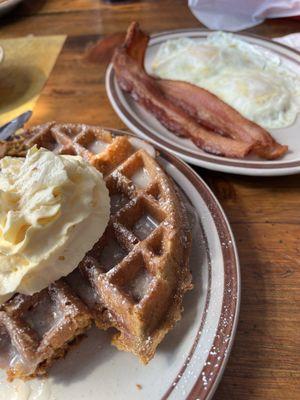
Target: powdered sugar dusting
144,226
139,286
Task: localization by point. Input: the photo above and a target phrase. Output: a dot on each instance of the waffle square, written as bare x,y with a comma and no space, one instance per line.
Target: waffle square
35,330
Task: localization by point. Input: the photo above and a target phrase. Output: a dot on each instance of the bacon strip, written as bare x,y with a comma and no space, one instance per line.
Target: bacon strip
187,111
146,92
213,113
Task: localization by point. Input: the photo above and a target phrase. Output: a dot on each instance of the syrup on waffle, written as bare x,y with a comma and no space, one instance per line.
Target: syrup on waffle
135,276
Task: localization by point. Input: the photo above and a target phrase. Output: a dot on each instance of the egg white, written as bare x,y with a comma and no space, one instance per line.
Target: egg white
241,74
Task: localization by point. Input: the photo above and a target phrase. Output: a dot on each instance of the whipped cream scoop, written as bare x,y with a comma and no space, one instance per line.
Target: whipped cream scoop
53,209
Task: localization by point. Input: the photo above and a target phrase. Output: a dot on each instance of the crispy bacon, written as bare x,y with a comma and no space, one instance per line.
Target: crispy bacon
213,113
146,92
187,110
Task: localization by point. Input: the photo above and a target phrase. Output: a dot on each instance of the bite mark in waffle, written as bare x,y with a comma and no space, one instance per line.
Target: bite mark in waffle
135,276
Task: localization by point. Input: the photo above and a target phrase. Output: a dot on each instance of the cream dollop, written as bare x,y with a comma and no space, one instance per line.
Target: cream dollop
53,209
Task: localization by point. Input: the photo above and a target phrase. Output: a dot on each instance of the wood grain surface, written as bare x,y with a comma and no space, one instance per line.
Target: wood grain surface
264,212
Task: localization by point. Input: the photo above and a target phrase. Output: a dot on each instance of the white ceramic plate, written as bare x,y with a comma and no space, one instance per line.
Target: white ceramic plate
145,125
190,361
7,5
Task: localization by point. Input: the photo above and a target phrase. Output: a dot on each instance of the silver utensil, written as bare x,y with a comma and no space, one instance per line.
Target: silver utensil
7,130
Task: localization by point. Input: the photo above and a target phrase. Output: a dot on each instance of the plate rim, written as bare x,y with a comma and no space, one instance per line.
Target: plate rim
7,4
227,319
230,258
259,168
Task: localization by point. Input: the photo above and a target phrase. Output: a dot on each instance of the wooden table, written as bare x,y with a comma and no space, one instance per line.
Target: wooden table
264,212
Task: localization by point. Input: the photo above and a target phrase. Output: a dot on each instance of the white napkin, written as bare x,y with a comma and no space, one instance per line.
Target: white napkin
235,15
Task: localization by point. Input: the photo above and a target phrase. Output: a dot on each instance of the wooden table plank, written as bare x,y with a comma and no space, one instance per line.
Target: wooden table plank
264,212
103,20
95,17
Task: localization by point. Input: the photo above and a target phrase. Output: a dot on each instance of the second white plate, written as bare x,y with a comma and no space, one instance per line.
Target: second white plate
146,126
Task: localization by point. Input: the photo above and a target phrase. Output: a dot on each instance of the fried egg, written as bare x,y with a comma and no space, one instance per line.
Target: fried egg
251,80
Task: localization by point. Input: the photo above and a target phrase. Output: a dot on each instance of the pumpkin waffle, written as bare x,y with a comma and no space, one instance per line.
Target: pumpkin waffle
135,276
